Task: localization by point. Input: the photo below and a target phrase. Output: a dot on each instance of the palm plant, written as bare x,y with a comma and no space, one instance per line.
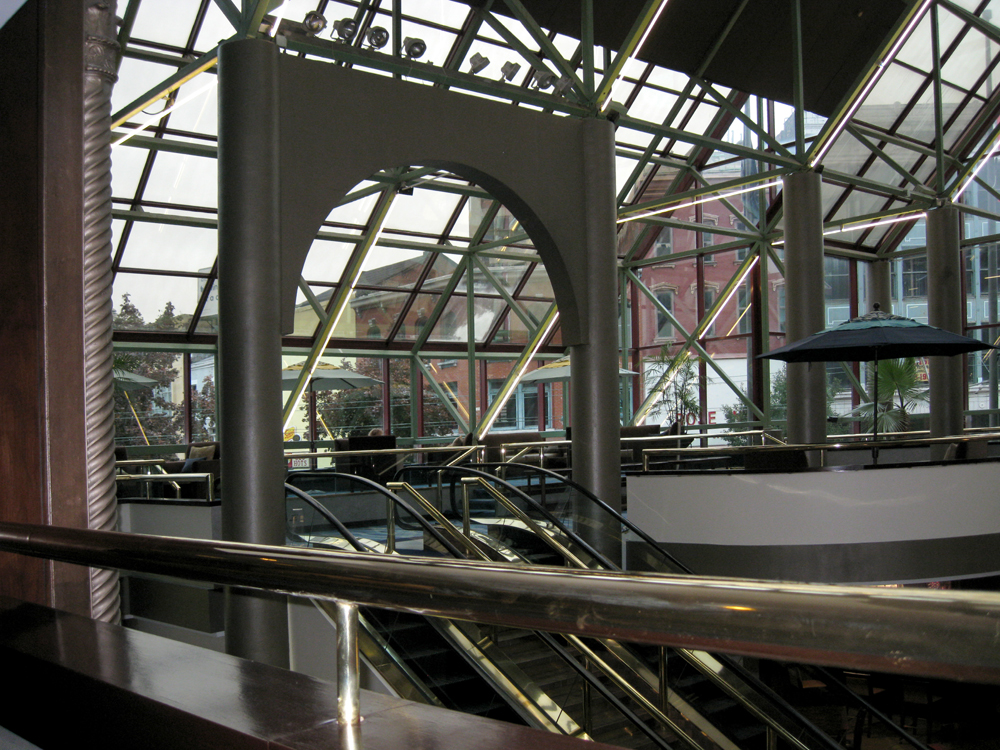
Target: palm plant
899,391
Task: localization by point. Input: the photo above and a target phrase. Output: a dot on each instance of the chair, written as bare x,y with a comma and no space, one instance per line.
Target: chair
199,458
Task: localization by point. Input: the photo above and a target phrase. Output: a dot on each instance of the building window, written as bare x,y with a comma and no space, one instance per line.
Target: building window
742,308
664,328
709,301
781,307
837,272
741,252
521,410
914,276
708,238
664,243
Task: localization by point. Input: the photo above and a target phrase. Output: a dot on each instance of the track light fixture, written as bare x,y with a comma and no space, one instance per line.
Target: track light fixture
314,22
376,37
478,63
413,47
345,28
508,70
562,86
543,79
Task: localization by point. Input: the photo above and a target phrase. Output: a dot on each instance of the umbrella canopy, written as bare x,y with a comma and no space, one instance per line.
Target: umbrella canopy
130,381
327,377
877,335
557,369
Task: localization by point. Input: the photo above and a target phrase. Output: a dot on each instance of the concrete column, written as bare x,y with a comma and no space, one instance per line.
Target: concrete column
946,310
804,300
878,287
594,385
253,469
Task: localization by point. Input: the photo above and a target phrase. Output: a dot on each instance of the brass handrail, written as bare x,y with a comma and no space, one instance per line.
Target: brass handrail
944,634
734,450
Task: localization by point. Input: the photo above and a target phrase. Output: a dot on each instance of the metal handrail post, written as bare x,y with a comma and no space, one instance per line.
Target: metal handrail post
466,512
348,679
390,526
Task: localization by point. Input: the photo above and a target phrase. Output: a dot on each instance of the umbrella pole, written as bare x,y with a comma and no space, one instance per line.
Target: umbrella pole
875,413
137,420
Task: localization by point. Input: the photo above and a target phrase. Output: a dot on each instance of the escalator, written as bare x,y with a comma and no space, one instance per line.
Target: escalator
718,685
628,695
520,676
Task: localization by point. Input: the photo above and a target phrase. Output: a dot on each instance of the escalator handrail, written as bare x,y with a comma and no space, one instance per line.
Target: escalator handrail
681,567
779,702
390,495
318,507
530,501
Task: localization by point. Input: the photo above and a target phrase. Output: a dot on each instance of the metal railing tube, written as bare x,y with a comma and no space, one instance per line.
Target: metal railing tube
348,680
945,634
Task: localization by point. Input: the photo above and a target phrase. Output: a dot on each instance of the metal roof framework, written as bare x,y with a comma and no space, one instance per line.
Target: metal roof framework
910,127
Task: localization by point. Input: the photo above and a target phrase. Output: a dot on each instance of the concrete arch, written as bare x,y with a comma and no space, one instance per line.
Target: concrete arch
294,137
337,127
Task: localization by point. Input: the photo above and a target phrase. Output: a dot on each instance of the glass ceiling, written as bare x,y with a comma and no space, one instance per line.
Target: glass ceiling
911,132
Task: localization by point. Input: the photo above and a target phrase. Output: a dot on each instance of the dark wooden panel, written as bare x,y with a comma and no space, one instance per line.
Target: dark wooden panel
20,290
42,429
76,678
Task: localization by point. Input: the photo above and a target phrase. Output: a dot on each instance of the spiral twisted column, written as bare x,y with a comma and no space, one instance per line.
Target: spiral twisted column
102,506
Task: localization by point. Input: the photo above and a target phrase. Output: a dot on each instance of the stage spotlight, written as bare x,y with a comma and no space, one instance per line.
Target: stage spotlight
509,70
544,79
377,37
414,48
478,63
346,28
314,22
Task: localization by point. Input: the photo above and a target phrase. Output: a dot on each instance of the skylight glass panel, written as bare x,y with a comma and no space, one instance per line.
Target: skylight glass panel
919,123
166,23
151,294
197,108
214,29
182,179
326,261
305,318
623,169
917,50
355,213
847,155
882,171
969,61
890,96
417,318
170,248
634,138
126,168
652,105
538,285
453,323
425,211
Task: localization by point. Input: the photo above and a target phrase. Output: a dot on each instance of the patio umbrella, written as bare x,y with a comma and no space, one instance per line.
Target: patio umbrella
326,377
130,381
557,369
877,335
126,381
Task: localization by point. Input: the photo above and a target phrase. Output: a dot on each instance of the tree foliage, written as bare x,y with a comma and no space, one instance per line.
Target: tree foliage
148,415
356,411
679,388
900,390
